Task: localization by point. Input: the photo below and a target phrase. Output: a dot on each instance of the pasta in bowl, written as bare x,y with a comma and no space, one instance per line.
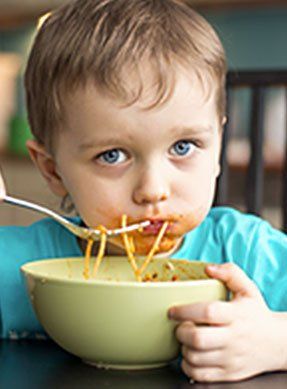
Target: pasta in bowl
114,321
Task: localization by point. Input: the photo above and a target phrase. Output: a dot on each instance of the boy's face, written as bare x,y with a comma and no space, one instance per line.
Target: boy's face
159,164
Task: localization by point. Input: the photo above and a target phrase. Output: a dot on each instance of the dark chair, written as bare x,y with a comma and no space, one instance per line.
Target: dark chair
258,83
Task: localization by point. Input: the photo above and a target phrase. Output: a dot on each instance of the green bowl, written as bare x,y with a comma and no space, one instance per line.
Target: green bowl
114,321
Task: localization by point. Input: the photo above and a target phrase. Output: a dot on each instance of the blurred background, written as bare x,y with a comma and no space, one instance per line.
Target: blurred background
254,34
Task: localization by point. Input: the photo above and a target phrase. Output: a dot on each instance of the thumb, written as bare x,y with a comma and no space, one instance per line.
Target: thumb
234,278
2,188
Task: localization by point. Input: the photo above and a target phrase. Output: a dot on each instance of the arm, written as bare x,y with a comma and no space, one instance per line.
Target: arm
241,338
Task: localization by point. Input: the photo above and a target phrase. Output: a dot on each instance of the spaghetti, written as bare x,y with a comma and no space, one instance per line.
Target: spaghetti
129,247
88,252
154,248
101,252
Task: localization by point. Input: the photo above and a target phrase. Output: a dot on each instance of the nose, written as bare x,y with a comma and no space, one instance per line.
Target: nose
152,187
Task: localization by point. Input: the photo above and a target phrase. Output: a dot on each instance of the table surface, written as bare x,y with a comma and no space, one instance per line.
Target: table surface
42,364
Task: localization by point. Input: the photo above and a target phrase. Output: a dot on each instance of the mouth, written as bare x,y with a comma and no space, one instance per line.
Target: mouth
155,226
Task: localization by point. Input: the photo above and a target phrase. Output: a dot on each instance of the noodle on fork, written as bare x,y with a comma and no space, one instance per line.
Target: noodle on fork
88,252
101,251
130,249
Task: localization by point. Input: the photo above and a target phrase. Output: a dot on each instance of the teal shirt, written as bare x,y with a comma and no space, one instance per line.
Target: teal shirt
226,235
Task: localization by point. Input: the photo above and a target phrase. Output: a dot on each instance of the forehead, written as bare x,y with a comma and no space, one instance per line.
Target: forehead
191,98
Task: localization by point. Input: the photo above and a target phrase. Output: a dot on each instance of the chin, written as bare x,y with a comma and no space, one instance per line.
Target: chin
144,245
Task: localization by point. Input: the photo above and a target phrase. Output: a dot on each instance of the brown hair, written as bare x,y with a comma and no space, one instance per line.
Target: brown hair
97,40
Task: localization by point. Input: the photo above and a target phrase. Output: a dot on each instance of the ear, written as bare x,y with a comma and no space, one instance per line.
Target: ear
224,121
2,188
47,166
217,169
218,165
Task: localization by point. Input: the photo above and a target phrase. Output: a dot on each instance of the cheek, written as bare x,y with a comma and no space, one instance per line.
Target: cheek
196,188
96,201
196,195
101,207
194,218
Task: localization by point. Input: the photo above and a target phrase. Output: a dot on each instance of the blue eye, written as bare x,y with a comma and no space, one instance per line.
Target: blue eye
182,148
112,157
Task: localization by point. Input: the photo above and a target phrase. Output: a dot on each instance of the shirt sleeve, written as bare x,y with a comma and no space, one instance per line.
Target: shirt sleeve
267,265
17,316
259,249
19,245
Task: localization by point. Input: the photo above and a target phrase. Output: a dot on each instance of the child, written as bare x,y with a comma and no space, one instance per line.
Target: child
126,103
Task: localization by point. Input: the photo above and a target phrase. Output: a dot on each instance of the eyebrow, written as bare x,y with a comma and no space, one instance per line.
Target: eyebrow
192,130
196,130
93,144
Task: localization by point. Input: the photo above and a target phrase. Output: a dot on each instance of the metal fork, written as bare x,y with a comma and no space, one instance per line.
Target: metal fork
82,232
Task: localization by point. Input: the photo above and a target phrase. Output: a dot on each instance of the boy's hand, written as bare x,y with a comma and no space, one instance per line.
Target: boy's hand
2,188
230,341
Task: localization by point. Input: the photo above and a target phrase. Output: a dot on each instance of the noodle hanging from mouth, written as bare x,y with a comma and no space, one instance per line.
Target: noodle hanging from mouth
129,248
154,248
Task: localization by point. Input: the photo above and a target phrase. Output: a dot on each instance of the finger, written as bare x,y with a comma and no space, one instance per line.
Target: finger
197,358
215,313
203,374
234,278
202,337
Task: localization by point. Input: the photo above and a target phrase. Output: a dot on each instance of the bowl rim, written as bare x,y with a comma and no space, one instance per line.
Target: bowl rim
45,278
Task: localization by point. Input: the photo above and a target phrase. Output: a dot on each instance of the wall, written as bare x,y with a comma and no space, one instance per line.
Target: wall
253,38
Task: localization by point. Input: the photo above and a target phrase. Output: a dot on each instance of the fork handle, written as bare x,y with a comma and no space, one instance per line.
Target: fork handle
82,232
35,207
